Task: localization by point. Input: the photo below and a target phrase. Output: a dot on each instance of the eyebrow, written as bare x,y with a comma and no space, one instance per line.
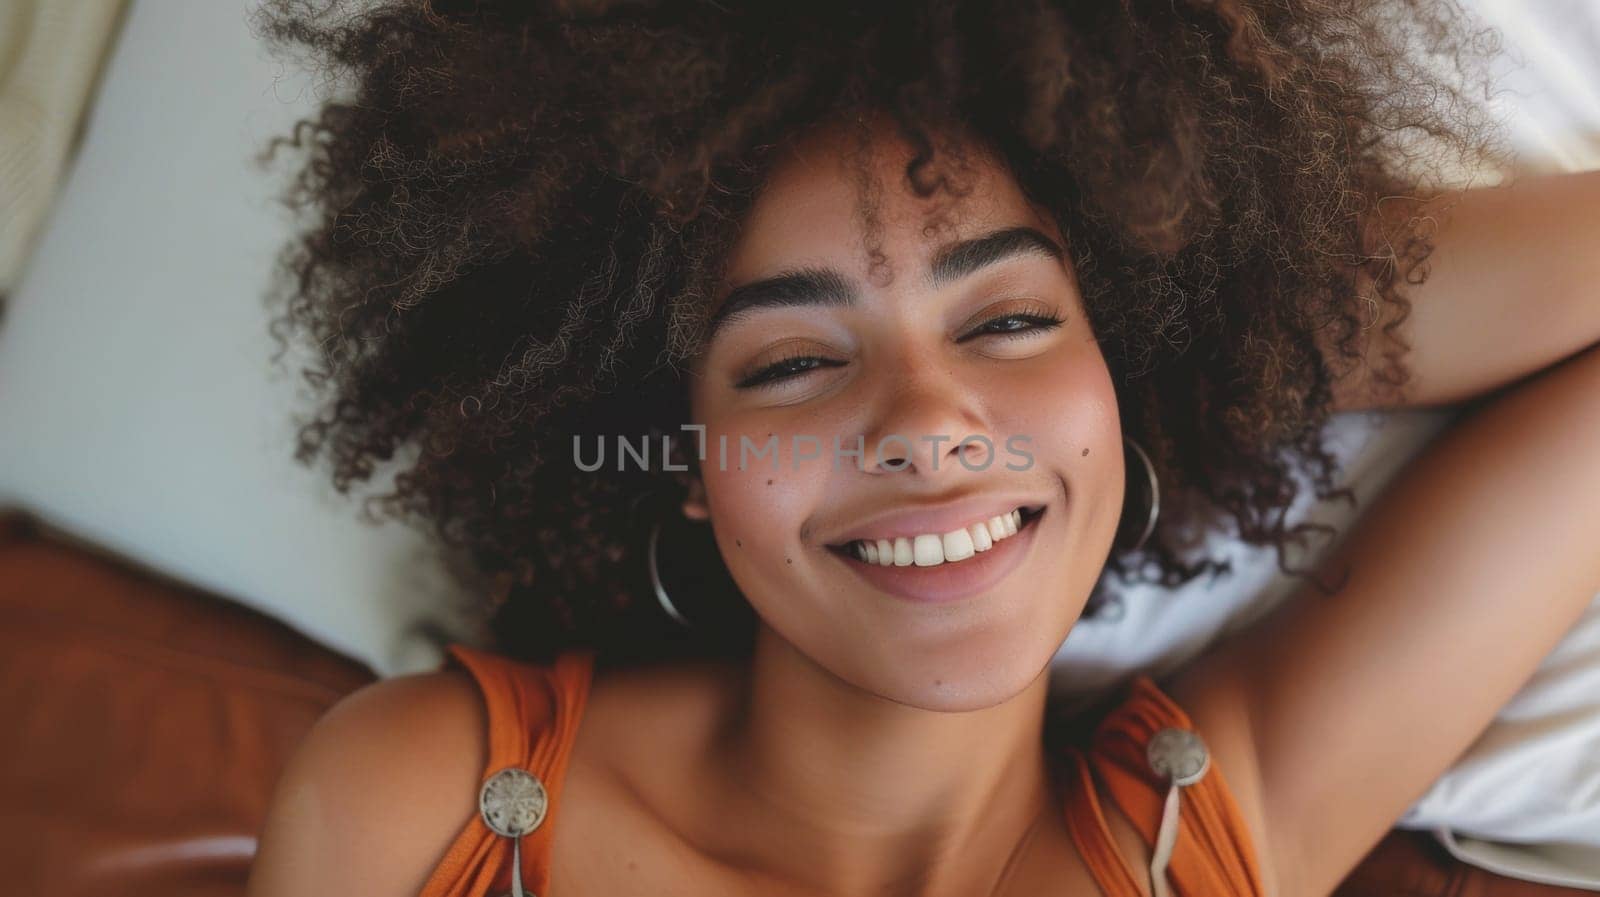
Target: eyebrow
827,286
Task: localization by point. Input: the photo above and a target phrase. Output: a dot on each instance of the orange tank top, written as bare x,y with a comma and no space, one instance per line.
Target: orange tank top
533,715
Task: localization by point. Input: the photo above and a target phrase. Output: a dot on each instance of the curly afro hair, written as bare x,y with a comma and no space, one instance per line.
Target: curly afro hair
515,215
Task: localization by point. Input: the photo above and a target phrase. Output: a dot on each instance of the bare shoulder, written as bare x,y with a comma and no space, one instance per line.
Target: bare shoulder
377,790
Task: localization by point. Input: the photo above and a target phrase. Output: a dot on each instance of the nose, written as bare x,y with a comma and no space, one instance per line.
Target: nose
929,422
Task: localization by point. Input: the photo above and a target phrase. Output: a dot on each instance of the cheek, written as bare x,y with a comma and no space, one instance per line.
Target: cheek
757,512
1068,410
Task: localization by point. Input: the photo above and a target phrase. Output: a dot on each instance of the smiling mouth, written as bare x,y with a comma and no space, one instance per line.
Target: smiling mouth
940,549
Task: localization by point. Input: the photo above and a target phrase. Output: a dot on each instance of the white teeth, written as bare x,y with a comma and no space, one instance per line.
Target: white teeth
929,549
902,552
957,545
980,537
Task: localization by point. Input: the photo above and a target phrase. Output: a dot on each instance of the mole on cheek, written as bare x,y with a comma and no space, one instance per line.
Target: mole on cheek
738,543
1086,453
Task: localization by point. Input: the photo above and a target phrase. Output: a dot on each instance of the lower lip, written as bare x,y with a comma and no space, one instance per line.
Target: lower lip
950,581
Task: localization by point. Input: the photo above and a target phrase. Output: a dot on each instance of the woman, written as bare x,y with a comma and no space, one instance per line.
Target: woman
1000,251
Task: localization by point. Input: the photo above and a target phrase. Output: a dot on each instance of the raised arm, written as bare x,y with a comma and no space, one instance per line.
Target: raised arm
1335,714
1513,286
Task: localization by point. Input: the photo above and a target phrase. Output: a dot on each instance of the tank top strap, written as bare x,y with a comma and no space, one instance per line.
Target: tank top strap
533,712
1086,822
1214,854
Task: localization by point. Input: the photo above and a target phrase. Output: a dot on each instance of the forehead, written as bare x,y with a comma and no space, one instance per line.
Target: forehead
827,197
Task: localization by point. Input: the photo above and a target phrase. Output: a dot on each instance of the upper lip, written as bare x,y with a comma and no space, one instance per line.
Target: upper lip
938,518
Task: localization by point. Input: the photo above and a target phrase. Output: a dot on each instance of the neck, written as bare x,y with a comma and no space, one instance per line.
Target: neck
845,792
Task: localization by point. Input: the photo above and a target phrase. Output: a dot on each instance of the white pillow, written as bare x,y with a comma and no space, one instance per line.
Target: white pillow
137,406
1524,799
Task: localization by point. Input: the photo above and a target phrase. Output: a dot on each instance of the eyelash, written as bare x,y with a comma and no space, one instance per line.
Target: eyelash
785,368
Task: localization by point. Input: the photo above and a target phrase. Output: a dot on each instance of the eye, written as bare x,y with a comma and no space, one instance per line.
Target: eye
784,369
1013,325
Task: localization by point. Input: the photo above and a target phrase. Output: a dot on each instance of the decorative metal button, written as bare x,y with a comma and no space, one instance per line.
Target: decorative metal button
1181,758
1179,755
513,802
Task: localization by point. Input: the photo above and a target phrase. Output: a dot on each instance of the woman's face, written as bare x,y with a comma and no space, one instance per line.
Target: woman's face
926,361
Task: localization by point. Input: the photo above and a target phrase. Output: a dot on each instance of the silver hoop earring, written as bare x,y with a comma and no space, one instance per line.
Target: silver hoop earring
655,578
1155,494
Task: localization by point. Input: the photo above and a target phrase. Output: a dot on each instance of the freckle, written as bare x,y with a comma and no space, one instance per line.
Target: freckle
938,682
769,482
738,543
1086,453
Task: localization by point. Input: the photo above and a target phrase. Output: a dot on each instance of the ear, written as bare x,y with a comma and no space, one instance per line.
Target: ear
694,504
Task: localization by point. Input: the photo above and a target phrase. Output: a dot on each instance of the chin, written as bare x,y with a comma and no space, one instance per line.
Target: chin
972,672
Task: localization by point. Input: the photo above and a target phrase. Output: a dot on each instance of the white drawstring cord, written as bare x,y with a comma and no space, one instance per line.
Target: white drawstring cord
1164,841
1181,757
